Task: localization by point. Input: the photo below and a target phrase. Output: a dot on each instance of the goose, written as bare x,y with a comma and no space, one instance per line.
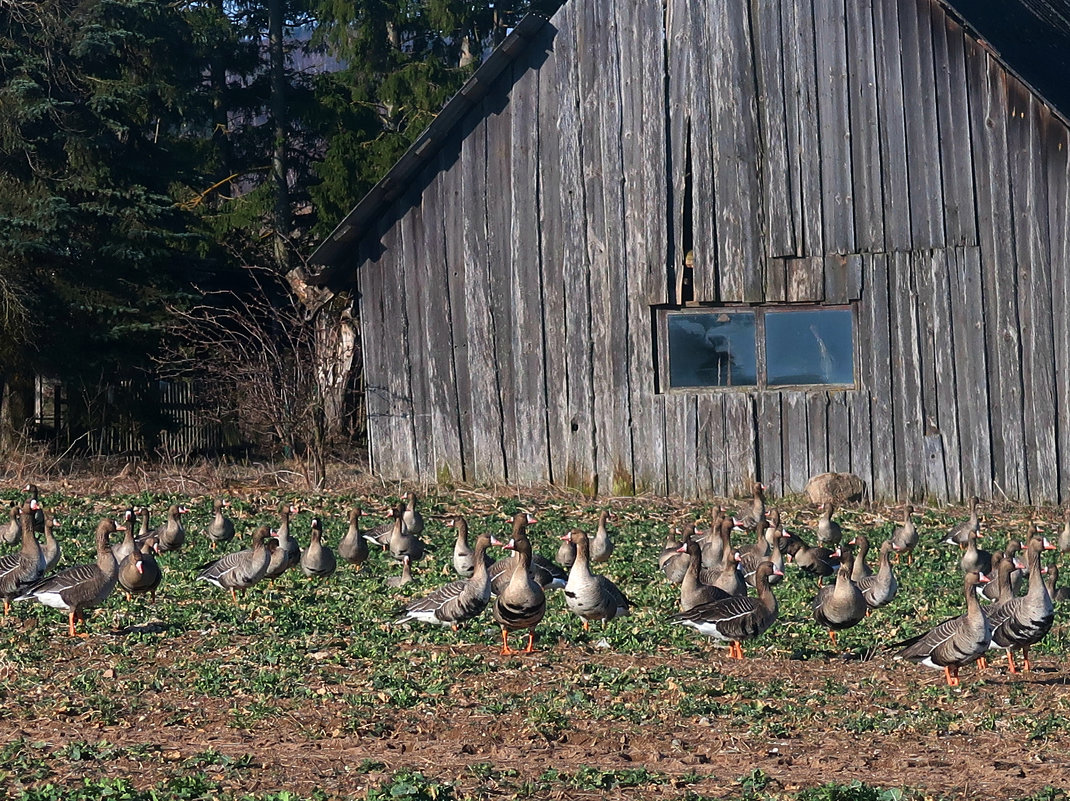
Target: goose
975,560
840,605
727,575
144,532
353,548
1023,621
464,558
21,570
1064,535
760,549
123,549
602,544
672,561
414,521
860,569
38,510
905,537
1058,594
404,543
545,572
80,587
591,596
521,604
737,618
171,536
748,562
221,529
459,601
757,509
12,532
878,590
380,534
692,591
811,559
404,577
139,572
999,590
954,642
671,547
711,541
51,548
287,553
828,530
958,534
240,570
317,560
566,553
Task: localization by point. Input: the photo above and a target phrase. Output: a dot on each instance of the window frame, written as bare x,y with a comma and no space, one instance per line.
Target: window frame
662,314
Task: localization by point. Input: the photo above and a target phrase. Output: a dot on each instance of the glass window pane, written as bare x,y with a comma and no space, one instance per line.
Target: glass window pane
815,346
712,349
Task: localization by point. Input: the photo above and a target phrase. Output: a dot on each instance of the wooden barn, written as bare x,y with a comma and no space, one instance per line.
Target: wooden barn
674,246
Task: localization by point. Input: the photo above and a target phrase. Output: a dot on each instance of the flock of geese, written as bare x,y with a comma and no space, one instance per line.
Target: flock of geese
713,574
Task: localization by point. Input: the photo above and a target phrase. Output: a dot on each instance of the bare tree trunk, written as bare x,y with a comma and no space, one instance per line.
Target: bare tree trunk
279,167
16,408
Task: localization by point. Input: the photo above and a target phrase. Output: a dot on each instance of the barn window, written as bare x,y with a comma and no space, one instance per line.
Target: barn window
757,347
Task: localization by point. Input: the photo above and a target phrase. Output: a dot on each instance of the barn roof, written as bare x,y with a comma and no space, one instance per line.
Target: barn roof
1031,38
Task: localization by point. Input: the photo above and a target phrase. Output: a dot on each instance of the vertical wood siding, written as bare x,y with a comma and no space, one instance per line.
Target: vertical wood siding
829,151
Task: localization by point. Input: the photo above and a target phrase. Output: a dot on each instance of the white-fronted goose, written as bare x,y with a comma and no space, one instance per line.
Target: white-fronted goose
242,569
840,605
671,548
879,589
860,569
958,534
35,505
126,546
221,529
757,507
905,537
674,564
414,521
353,548
999,589
380,534
760,549
144,532
587,594
749,562
1058,594
737,618
1023,621
404,543
138,572
692,591
955,642
317,560
50,547
1064,535
566,553
464,558
811,559
828,530
975,560
711,540
602,544
171,536
12,531
21,570
287,553
727,575
521,604
402,578
459,601
545,572
80,587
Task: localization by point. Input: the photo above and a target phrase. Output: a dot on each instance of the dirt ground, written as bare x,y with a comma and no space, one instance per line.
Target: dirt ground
310,746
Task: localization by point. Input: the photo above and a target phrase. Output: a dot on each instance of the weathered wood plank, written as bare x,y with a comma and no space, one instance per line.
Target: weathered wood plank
906,379
453,229
532,462
874,315
703,132
989,129
855,282
837,196
488,463
800,99
1057,142
817,432
741,443
600,118
734,116
415,299
779,219
805,279
796,456
681,429
862,455
836,278
776,280
646,241
923,164
711,456
952,109
1029,203
891,106
580,470
839,433
770,431
373,351
679,47
867,181
946,370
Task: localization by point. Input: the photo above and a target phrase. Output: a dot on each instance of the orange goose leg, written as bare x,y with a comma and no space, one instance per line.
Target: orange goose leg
952,675
234,596
1010,662
1026,664
531,642
506,650
832,636
982,664
586,625
7,607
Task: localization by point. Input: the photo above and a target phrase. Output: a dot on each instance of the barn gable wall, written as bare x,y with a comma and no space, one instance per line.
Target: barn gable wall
805,150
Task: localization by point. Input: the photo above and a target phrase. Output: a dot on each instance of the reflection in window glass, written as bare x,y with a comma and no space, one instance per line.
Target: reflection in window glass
815,346
712,350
